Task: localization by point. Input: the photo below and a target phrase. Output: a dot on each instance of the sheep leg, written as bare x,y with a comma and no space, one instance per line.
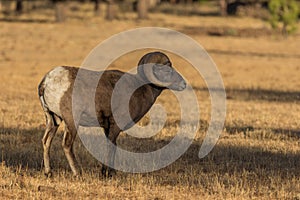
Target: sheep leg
111,135
51,128
67,144
106,170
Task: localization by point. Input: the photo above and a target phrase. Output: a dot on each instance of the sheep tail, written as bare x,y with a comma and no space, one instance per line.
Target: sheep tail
41,90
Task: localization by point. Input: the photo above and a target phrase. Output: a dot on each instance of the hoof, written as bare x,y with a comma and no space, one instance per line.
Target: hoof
76,174
48,174
108,172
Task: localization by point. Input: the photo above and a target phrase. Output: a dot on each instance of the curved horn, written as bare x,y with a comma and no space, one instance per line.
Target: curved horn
146,64
148,72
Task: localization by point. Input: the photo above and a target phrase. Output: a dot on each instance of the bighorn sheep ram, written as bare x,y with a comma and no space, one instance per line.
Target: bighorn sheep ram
55,93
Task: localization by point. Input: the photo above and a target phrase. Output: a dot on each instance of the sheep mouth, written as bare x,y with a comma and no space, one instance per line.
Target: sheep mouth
178,86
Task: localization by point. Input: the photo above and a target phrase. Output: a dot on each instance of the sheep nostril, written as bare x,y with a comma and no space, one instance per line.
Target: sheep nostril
184,83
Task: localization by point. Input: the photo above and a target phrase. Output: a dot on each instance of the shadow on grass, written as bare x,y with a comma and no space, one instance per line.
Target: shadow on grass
14,20
185,10
188,12
263,94
257,94
24,148
276,132
21,147
252,54
230,159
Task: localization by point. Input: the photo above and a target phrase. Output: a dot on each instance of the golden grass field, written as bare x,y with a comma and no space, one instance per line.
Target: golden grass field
256,157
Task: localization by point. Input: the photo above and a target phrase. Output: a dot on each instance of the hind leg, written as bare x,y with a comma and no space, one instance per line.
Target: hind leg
51,128
68,140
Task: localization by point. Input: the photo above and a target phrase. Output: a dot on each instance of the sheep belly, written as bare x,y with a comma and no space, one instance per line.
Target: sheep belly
56,84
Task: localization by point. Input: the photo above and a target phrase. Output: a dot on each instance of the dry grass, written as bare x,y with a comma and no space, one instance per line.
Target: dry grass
257,156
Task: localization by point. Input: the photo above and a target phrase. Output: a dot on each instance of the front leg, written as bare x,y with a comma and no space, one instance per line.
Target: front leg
111,135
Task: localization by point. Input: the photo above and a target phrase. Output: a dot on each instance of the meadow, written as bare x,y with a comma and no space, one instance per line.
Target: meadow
256,157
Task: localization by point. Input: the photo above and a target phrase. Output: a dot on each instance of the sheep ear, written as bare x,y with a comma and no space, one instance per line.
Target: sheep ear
157,74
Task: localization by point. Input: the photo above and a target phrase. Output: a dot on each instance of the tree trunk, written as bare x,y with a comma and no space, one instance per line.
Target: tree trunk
284,30
97,7
142,9
19,6
223,7
110,12
60,12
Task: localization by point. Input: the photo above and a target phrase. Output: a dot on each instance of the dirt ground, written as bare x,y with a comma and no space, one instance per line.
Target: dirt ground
256,157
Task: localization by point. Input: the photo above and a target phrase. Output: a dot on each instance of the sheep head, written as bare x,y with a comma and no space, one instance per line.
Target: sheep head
157,68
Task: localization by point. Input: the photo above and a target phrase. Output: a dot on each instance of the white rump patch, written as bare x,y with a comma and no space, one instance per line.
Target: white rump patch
56,84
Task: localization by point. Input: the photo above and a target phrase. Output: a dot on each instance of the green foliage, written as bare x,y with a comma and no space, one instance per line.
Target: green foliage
284,13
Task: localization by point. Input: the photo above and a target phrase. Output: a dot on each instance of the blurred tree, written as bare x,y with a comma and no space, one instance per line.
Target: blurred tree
223,7
97,7
110,12
142,8
60,10
284,13
19,6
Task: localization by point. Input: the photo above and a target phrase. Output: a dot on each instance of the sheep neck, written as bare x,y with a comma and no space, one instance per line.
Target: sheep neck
156,90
